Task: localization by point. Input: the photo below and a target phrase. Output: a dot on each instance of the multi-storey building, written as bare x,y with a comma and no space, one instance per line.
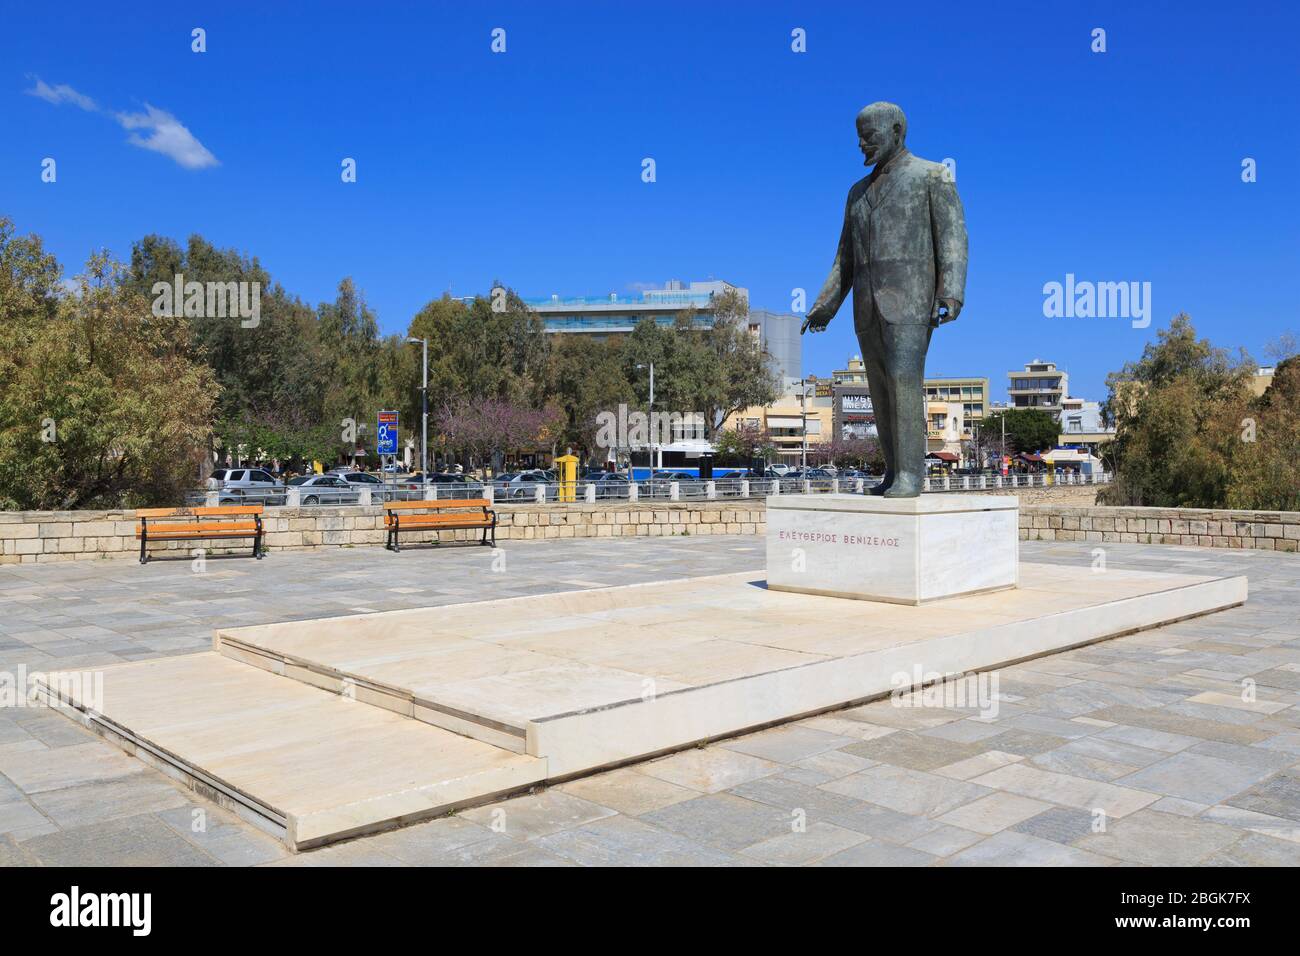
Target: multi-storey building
972,393
614,314
1039,385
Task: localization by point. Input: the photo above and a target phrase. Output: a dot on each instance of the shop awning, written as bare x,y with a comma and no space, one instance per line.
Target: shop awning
943,456
1059,456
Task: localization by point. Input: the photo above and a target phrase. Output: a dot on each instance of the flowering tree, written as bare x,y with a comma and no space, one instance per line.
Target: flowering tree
743,444
491,427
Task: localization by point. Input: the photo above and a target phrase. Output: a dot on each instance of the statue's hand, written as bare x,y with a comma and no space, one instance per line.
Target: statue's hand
815,321
945,310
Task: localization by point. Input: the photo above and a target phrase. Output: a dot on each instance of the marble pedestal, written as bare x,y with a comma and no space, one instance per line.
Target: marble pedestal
902,550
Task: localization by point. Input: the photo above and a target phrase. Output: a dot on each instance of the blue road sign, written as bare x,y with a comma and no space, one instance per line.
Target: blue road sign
387,431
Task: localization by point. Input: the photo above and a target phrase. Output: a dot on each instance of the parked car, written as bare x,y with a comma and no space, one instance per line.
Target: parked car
246,484
811,474
325,490
609,484
361,478
658,485
456,485
523,484
779,470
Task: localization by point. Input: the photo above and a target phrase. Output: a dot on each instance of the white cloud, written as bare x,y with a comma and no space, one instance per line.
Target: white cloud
160,131
166,135
61,94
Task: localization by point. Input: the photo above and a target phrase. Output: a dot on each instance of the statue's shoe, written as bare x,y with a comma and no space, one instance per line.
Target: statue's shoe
904,487
884,486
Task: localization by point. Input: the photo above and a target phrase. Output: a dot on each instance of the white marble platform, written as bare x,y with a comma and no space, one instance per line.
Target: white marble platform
900,550
347,725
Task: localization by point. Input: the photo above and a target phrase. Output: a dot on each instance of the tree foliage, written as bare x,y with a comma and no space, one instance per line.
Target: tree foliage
1174,411
1029,430
141,397
101,402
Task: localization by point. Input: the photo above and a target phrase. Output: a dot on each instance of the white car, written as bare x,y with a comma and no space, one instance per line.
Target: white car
238,485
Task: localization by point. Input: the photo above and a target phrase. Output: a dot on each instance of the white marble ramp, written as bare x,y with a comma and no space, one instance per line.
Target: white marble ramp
590,678
308,766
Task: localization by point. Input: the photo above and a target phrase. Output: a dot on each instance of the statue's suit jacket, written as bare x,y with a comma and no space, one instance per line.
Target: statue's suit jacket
903,245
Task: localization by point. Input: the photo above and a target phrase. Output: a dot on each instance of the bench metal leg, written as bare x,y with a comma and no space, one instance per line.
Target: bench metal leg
144,555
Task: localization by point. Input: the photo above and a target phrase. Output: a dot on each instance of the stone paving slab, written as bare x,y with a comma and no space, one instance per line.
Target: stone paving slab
1263,819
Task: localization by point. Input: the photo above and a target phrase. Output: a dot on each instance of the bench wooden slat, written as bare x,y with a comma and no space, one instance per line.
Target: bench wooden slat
213,527
439,521
443,504
199,511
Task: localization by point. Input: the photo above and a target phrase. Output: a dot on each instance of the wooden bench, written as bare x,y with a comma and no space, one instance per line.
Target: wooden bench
447,515
176,524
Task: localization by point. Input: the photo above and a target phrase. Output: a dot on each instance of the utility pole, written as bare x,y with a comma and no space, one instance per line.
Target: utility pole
651,366
653,462
424,411
803,414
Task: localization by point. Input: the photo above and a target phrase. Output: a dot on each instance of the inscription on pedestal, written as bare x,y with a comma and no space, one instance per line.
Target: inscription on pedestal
905,551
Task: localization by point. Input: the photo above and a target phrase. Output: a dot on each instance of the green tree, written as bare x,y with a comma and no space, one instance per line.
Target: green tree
1028,430
1171,446
101,403
1263,438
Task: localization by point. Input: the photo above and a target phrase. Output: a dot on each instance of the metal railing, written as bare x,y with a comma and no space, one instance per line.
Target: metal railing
580,492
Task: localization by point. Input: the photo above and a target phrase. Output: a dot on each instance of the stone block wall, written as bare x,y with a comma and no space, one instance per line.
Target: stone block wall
31,536
1264,530
44,536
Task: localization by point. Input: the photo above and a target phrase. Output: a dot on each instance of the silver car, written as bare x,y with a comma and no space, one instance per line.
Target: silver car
522,486
325,490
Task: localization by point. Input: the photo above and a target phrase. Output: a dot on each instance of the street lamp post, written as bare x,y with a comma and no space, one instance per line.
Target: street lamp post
803,414
424,412
651,366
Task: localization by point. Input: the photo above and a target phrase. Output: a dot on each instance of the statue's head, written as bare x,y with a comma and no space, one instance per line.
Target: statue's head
882,128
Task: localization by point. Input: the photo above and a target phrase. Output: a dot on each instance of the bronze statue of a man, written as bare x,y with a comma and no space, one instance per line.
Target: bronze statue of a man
903,253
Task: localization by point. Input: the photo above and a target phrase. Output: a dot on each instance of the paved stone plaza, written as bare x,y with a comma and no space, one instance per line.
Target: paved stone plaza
1151,728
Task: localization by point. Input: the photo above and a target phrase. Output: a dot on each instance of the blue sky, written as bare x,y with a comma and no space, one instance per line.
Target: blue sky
526,166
